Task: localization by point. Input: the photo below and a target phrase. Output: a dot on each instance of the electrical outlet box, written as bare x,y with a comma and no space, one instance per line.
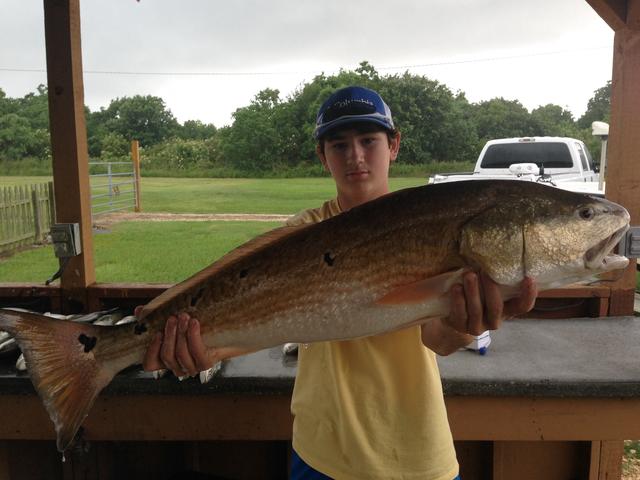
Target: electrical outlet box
629,246
66,239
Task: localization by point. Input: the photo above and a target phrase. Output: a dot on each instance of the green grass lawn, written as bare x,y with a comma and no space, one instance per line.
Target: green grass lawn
221,195
171,251
184,195
156,252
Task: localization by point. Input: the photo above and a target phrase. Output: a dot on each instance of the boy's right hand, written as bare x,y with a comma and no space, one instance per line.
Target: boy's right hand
179,348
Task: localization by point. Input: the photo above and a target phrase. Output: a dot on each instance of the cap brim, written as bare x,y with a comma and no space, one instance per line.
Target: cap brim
339,122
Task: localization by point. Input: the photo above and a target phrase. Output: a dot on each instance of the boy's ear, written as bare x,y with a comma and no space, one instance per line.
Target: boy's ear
394,146
322,158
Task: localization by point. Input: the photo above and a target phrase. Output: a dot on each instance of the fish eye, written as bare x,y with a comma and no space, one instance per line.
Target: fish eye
587,213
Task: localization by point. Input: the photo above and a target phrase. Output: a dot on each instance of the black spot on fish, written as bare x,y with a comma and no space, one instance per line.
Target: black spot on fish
244,273
140,328
88,342
196,297
329,259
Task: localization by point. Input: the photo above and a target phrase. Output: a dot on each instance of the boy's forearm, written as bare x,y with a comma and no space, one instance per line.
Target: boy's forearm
442,339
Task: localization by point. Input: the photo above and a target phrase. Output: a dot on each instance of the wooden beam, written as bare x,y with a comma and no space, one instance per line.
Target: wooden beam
135,417
69,136
623,163
543,419
268,417
614,12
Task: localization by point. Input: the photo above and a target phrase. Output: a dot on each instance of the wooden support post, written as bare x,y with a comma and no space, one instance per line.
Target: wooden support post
594,460
135,155
69,137
623,165
623,176
611,453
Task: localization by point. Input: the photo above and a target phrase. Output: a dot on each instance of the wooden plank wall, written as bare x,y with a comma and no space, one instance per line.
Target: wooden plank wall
26,215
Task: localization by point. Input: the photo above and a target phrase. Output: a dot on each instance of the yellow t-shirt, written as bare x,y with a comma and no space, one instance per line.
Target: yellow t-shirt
371,408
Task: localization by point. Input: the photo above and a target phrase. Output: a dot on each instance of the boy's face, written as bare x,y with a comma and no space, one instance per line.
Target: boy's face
359,162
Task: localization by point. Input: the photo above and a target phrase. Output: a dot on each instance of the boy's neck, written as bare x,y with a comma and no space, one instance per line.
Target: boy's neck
353,199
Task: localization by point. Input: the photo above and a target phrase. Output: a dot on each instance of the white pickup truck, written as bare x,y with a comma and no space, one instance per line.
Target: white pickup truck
560,161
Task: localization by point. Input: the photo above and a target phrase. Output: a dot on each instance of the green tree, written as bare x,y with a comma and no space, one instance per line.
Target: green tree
6,104
553,120
500,118
18,139
459,139
143,118
177,154
433,123
114,147
196,130
251,143
598,107
35,108
96,130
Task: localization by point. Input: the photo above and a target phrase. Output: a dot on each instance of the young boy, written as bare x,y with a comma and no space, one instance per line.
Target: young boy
369,408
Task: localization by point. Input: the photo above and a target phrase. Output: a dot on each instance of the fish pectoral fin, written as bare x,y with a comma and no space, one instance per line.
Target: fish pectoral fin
422,290
224,353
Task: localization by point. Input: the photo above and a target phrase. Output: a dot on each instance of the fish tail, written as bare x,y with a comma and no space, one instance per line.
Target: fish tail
64,369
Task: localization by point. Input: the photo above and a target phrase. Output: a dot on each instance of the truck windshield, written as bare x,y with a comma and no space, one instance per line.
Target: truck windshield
551,154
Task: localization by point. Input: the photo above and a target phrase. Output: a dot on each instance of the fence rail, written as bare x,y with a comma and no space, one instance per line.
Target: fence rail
26,215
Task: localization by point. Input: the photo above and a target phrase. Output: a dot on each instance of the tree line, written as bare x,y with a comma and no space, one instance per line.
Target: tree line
273,135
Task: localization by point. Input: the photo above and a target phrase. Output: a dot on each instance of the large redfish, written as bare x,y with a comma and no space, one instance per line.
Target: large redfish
379,267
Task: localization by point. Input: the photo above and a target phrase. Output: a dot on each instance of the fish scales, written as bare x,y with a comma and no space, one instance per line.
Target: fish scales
368,250
275,273
381,266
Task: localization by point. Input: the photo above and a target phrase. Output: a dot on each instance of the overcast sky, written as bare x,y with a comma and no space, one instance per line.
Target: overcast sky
535,51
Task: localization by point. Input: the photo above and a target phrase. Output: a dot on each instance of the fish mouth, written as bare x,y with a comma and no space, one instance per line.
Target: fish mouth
600,256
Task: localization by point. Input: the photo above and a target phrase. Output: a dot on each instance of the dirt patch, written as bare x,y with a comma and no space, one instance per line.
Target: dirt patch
631,469
631,461
111,218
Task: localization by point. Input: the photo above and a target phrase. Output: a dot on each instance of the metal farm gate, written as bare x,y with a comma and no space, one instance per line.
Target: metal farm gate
115,186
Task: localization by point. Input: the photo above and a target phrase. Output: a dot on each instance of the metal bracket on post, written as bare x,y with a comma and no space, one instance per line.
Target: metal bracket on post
629,246
66,244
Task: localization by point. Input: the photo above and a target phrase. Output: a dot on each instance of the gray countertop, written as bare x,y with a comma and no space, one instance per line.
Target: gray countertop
597,357
586,357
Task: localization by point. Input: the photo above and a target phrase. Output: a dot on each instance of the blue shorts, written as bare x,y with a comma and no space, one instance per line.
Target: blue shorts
301,471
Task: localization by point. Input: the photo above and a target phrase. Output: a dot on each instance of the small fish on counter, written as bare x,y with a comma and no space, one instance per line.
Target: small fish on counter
9,345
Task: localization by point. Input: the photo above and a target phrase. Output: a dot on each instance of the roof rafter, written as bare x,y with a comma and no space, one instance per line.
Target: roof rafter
614,12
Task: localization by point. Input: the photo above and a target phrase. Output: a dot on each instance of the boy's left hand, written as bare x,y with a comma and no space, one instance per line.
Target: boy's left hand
470,315
473,316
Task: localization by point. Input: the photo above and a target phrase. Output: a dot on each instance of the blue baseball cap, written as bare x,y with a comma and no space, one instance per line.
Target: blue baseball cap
352,105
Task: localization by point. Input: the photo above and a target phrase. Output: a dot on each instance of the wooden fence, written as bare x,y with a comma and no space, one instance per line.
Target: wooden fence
26,215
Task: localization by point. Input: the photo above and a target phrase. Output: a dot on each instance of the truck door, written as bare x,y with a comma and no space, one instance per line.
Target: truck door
587,171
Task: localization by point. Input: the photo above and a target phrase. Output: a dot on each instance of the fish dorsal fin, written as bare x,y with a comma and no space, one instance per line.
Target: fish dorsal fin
252,246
